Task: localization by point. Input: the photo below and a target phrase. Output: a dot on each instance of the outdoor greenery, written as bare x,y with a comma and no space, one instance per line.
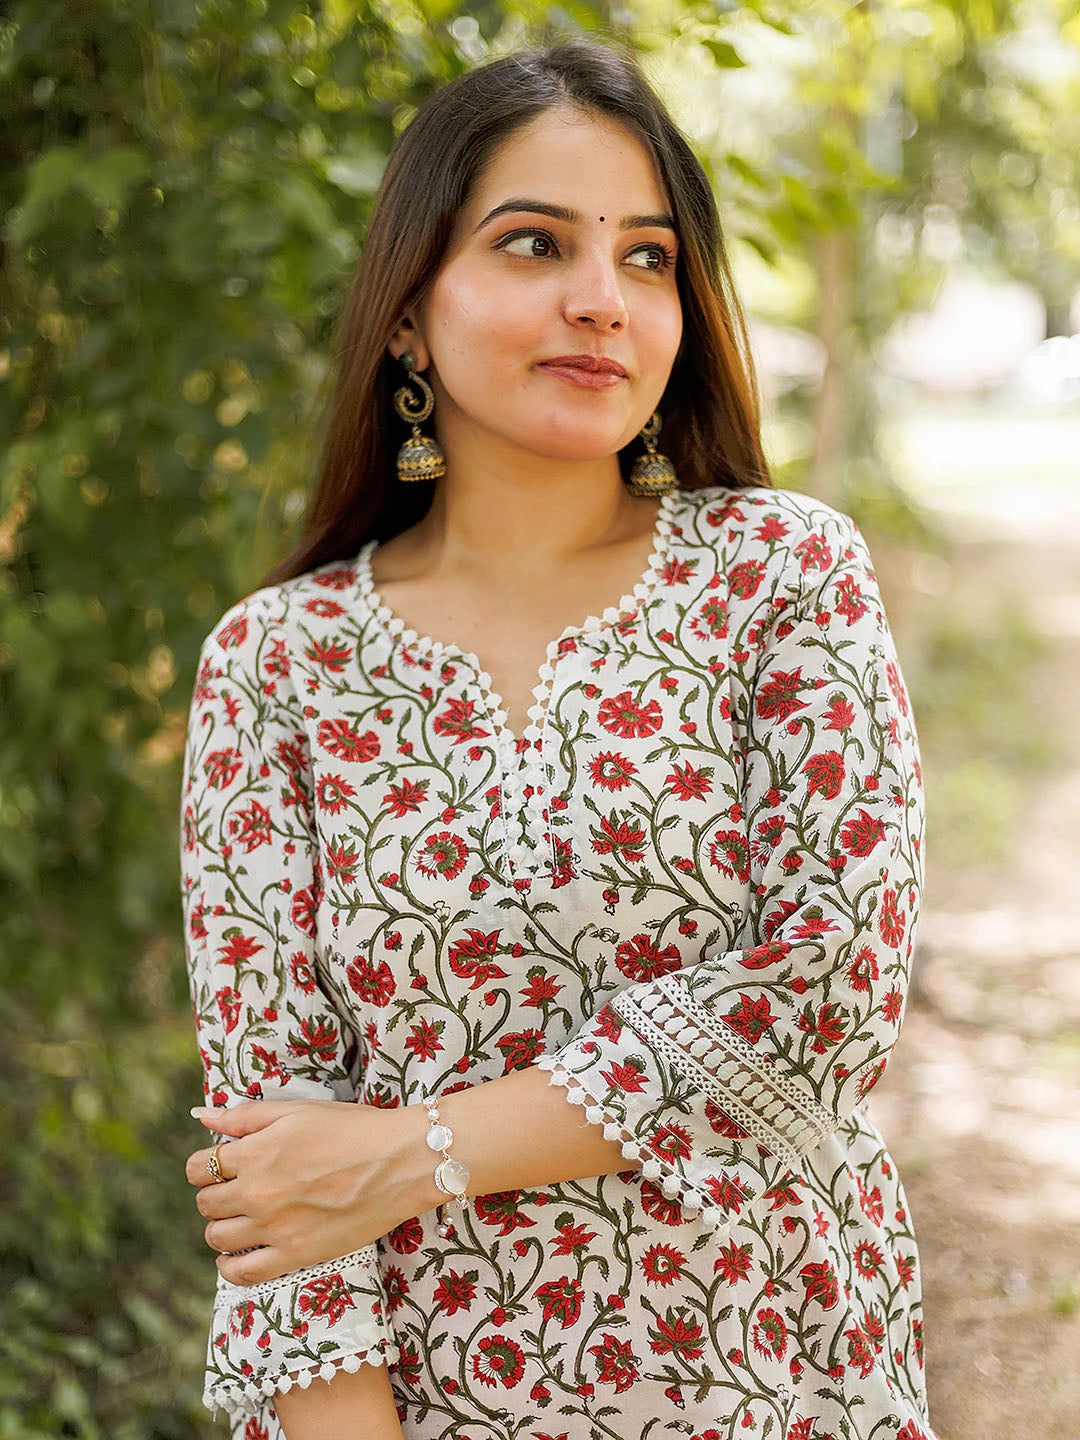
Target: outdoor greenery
183,199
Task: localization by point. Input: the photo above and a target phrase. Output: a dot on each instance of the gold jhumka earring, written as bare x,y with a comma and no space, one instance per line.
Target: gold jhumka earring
421,457
652,473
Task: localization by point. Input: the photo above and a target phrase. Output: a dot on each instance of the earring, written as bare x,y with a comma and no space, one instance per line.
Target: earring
421,457
652,473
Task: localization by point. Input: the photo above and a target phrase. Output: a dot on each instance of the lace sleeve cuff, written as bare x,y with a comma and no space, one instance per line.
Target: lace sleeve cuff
689,1099
289,1331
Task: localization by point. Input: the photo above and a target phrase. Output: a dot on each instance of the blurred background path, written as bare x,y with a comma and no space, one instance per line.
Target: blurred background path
981,1103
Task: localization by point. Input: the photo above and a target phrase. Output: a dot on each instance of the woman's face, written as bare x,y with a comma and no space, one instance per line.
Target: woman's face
522,287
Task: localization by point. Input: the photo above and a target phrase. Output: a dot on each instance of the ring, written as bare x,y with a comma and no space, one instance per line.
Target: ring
214,1164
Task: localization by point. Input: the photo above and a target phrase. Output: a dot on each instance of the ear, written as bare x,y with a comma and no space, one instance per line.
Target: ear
409,336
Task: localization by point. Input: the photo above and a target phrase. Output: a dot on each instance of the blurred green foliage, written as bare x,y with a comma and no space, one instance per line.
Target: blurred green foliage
185,195
183,199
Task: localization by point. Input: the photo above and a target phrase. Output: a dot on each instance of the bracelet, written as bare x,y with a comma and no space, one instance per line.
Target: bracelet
451,1176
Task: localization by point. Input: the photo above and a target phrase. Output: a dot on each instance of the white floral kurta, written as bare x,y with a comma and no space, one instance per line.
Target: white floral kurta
690,890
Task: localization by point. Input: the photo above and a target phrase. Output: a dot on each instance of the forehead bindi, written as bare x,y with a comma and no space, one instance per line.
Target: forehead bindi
561,142
531,205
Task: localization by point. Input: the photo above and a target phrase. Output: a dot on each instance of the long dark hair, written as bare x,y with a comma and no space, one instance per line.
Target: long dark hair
710,407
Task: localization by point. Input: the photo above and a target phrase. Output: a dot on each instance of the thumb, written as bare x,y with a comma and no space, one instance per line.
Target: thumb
236,1119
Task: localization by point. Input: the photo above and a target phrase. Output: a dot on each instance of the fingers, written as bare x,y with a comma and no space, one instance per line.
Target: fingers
235,1233
218,1202
265,1263
248,1115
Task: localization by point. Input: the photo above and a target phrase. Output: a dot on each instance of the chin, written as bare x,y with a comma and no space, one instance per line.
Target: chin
563,440
583,452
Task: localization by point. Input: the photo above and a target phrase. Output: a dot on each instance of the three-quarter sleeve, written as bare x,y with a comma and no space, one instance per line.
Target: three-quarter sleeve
266,1028
719,1076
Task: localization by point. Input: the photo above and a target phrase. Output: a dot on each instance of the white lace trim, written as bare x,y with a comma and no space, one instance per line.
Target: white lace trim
243,1397
263,1289
770,1106
693,1201
526,848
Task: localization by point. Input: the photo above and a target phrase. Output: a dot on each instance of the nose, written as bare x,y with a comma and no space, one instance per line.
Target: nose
594,293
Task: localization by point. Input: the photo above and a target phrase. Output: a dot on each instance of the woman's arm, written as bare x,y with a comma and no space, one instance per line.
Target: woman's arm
285,1160
515,1133
252,882
556,1143
359,1406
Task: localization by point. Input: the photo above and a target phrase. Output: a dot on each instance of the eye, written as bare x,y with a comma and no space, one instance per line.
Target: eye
533,235
667,256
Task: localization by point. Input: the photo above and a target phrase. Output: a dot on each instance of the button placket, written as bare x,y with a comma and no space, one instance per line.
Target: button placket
535,843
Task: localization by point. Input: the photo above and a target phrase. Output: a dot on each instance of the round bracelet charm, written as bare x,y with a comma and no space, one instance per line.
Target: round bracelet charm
440,1137
452,1177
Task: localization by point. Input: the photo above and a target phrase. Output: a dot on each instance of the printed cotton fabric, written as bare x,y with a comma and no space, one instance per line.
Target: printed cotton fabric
689,890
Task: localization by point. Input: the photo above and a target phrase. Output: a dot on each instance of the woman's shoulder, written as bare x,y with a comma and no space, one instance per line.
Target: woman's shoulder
766,545
321,592
762,514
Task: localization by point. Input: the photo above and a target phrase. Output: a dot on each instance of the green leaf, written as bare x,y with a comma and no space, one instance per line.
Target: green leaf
109,179
51,175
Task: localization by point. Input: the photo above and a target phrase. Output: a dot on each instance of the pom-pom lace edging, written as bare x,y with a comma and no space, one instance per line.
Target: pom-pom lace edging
243,1397
695,1203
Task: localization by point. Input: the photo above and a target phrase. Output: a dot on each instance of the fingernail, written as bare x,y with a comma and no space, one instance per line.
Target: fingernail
199,1111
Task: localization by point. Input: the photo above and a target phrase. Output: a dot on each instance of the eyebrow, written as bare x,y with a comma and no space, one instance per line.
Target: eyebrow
571,217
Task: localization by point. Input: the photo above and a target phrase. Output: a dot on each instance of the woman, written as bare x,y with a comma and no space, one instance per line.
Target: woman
607,933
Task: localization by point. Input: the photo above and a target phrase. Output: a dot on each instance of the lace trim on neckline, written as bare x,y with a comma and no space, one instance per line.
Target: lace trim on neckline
526,843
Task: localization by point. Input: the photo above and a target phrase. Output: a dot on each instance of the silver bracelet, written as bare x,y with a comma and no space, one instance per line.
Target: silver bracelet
451,1176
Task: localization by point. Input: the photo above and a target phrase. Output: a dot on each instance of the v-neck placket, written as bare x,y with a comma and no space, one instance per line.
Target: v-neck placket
526,847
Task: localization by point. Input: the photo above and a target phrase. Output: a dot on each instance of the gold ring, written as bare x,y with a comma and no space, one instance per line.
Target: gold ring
214,1164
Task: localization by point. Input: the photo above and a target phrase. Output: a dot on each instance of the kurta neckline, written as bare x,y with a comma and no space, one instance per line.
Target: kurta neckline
524,777
401,633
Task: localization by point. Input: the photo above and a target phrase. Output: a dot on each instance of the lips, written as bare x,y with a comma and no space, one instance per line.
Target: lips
594,364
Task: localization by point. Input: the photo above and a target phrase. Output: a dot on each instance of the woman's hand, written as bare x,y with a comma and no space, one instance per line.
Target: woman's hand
308,1180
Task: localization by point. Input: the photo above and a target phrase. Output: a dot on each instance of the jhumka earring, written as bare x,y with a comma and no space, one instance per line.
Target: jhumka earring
421,457
652,473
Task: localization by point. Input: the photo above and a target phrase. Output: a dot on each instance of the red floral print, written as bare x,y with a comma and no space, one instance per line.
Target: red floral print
459,721
640,958
621,838
561,1299
623,716
344,742
455,1292
372,982
825,772
328,1296
735,1262
616,1363
469,958
690,892
770,1334
688,783
674,1333
751,1017
821,1283
610,771
498,1361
